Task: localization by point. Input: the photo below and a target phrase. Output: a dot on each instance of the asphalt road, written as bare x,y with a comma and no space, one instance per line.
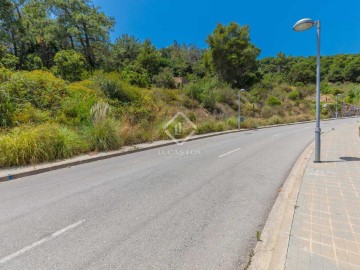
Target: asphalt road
196,206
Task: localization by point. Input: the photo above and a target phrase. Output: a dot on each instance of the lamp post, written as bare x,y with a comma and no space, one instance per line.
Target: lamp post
303,25
239,111
337,106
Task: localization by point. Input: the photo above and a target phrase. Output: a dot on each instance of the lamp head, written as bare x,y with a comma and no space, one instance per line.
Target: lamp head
304,24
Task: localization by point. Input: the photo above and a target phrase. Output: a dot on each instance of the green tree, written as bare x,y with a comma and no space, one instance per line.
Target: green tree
33,62
233,55
125,51
165,79
7,60
352,71
303,72
149,58
82,27
69,65
135,74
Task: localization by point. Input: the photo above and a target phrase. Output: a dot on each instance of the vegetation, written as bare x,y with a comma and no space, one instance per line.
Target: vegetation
65,89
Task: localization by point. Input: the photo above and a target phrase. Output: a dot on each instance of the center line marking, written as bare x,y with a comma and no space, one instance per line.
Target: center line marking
229,153
40,242
277,135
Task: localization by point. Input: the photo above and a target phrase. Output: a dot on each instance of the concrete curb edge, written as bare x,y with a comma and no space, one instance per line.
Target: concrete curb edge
29,171
271,251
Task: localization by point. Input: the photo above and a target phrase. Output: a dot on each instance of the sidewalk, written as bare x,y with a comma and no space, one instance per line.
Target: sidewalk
325,232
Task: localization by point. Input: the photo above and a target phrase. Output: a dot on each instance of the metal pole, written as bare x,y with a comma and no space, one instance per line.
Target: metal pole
239,112
318,129
336,107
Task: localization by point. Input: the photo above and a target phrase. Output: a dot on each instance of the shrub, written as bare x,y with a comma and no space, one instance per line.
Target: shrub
6,109
251,123
227,95
209,98
75,108
232,123
275,120
294,95
165,79
267,111
27,114
33,62
273,101
34,144
139,114
40,88
210,126
136,75
5,74
205,91
7,60
103,134
69,65
114,88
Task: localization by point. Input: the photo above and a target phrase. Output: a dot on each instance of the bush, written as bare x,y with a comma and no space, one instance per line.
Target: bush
139,114
33,62
69,65
210,126
103,135
227,95
75,109
31,145
209,98
273,101
232,123
5,74
294,95
7,60
42,89
136,75
165,79
275,120
27,114
205,91
114,88
6,109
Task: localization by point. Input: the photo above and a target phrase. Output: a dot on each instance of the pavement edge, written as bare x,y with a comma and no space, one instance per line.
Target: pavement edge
271,251
42,168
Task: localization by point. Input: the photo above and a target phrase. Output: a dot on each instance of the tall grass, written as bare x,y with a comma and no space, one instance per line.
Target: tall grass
34,144
104,133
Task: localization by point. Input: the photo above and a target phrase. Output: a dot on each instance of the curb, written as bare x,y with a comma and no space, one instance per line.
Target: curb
47,167
271,252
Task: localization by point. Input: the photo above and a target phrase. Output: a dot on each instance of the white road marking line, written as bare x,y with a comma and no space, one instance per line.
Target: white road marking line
228,153
277,135
40,242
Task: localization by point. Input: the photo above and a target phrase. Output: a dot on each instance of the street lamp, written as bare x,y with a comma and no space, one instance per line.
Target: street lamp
303,25
337,106
239,111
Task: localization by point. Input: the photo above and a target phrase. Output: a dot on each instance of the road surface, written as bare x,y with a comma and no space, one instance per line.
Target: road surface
196,206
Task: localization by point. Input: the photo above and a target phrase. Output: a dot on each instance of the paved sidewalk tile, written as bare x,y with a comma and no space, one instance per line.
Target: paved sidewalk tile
325,233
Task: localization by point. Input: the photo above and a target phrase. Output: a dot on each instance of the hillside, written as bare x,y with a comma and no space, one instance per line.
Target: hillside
45,118
66,89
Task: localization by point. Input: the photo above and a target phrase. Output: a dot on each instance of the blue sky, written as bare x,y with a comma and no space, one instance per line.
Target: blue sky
190,21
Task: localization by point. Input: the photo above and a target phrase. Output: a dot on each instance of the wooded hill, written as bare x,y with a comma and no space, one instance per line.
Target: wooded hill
66,89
